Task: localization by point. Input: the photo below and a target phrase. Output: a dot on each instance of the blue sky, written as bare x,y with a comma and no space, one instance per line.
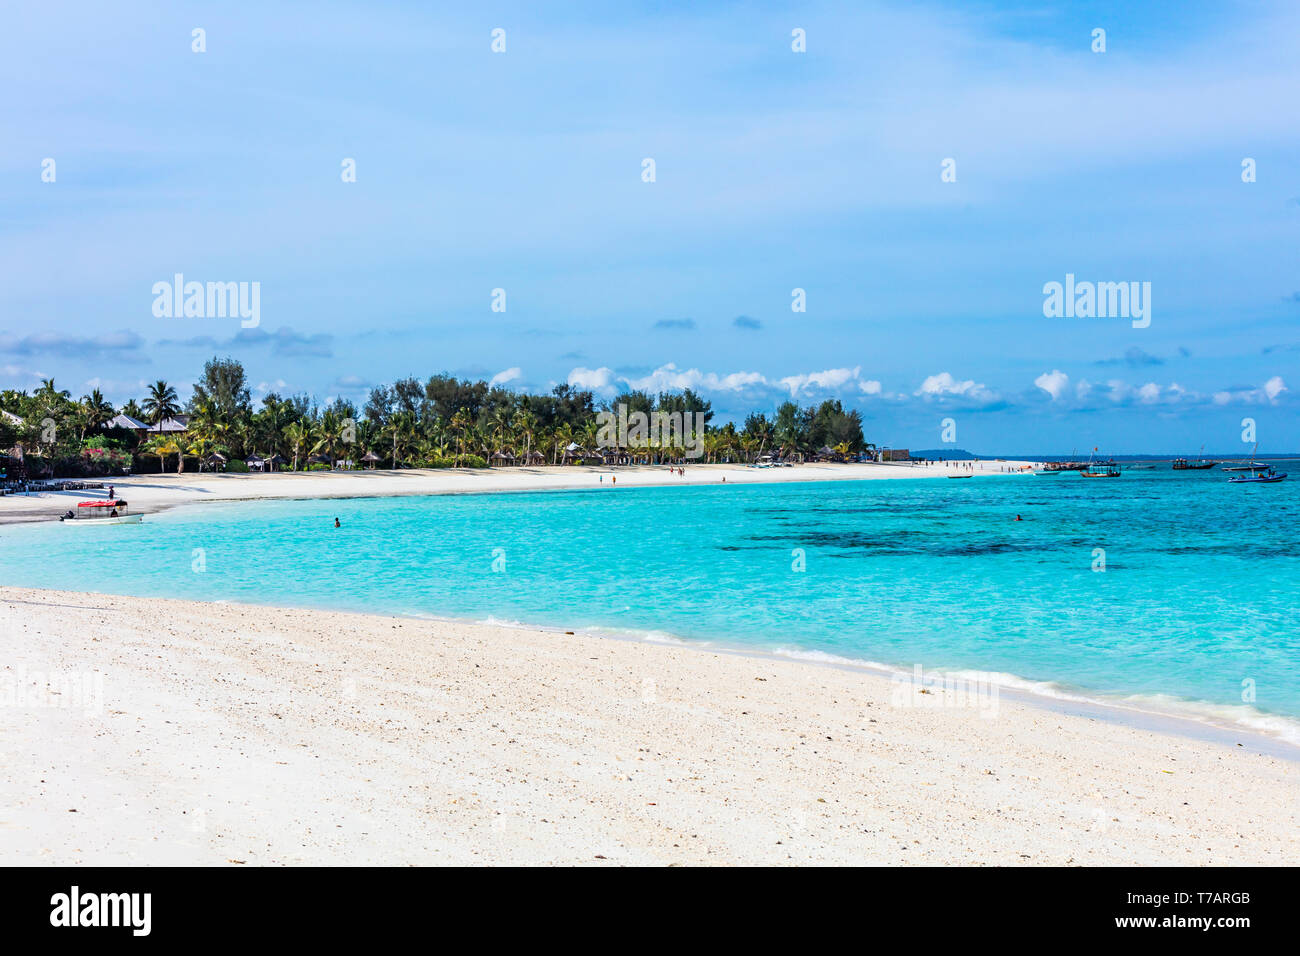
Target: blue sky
775,170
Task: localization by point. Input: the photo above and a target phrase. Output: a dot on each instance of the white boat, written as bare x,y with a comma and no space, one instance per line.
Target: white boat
97,513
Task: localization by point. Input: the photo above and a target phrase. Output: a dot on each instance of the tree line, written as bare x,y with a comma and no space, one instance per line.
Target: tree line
437,423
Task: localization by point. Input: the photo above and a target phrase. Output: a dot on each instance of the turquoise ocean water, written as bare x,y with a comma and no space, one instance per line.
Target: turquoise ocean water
1197,603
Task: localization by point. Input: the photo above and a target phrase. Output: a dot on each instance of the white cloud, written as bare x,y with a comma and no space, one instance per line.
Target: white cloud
505,376
831,378
265,388
596,379
669,376
943,384
1054,382
1266,394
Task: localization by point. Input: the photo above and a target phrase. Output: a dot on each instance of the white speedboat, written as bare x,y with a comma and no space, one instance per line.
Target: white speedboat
96,513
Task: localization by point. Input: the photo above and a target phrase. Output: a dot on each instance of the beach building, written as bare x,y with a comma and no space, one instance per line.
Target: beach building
168,426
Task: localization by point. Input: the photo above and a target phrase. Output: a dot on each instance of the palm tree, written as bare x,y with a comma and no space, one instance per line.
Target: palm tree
764,435
590,436
459,426
200,446
401,429
162,402
49,393
563,438
329,432
499,425
160,405
526,423
97,411
297,436
162,446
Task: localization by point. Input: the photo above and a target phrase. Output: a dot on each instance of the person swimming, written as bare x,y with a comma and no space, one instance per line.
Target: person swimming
1018,518
336,523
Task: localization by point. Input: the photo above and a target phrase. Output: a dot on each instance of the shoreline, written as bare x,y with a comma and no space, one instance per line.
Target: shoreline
154,494
1188,719
317,737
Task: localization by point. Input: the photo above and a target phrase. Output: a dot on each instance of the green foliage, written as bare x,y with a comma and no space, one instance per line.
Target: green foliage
441,422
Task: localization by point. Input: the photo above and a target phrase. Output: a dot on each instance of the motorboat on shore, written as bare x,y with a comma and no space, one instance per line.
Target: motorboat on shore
112,511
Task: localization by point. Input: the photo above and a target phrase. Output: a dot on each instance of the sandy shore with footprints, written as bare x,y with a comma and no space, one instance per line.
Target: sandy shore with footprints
153,731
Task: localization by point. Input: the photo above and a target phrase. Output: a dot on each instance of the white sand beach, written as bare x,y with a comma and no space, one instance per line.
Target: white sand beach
158,492
212,734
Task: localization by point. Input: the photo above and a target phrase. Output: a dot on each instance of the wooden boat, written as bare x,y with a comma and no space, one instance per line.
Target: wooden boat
1202,463
1058,467
99,513
1251,465
1100,469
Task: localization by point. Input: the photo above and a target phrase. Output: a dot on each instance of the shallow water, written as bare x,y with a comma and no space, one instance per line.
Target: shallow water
1196,604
